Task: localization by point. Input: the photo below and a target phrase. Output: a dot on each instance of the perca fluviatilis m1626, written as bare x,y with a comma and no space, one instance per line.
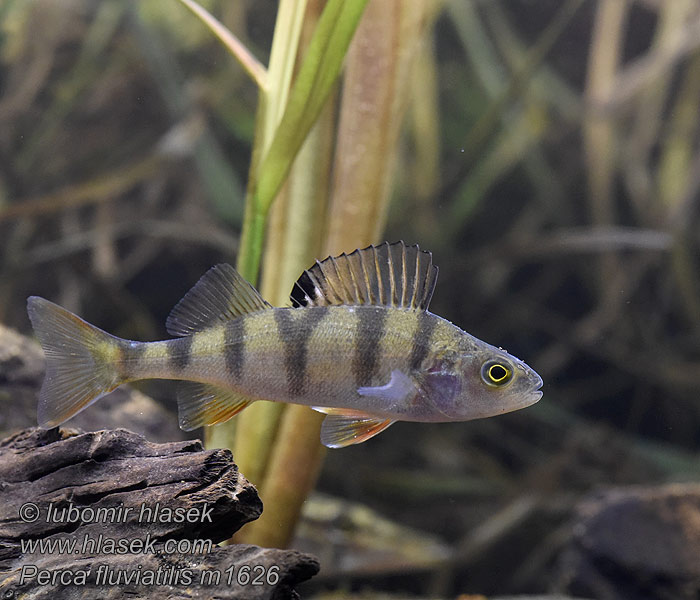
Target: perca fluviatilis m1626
358,344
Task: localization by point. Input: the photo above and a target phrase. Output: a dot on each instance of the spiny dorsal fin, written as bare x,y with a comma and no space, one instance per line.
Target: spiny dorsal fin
219,296
387,275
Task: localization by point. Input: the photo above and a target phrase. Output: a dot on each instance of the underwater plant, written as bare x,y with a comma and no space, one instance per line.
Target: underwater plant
314,188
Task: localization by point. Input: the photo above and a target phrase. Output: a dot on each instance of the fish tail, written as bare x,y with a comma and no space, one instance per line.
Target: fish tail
81,362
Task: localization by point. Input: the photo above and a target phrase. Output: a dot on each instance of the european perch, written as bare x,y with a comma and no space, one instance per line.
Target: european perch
358,344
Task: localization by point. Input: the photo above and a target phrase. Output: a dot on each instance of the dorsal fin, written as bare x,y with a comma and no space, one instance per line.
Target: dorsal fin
220,295
387,275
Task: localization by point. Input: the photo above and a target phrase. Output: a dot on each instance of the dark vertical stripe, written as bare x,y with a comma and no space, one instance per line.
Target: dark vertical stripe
295,327
421,339
131,354
370,331
179,352
234,346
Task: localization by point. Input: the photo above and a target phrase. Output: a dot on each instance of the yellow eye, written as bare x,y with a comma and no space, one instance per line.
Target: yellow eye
496,373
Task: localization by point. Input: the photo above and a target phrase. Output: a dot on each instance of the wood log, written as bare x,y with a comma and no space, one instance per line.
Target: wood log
634,543
108,514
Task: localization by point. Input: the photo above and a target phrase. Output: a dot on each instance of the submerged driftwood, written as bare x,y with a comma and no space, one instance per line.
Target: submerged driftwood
636,543
135,519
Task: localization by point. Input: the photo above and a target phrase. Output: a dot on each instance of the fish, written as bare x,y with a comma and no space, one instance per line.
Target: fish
357,343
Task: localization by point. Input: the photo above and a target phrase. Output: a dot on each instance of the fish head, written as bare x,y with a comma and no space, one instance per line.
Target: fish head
483,381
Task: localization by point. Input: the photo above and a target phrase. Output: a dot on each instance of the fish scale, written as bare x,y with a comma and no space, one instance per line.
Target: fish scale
358,344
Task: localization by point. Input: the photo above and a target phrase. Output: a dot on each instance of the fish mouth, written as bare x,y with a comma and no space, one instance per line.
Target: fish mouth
537,384
530,390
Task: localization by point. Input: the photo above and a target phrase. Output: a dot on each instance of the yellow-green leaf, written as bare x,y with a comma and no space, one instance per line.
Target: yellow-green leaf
318,72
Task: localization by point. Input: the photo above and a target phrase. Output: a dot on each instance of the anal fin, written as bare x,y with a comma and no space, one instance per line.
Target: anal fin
202,404
344,427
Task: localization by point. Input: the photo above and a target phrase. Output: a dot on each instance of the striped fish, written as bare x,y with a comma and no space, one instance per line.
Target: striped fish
358,344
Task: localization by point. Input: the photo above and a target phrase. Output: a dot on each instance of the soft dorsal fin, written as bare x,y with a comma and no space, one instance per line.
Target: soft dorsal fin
387,275
220,295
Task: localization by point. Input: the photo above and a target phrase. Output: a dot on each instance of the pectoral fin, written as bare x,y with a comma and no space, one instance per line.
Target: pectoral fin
400,386
343,427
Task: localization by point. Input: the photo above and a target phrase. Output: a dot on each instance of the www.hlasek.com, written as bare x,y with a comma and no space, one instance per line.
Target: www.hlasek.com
103,545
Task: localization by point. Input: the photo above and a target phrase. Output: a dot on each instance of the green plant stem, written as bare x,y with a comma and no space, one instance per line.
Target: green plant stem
480,134
294,240
675,164
270,107
318,72
377,71
650,120
290,114
675,187
291,474
599,131
251,64
373,103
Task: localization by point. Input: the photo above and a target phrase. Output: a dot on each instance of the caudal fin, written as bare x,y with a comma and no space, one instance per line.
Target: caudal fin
80,362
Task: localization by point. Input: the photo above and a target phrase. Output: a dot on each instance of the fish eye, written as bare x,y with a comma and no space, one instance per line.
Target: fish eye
495,373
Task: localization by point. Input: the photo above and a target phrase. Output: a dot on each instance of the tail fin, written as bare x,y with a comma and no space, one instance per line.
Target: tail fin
80,362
